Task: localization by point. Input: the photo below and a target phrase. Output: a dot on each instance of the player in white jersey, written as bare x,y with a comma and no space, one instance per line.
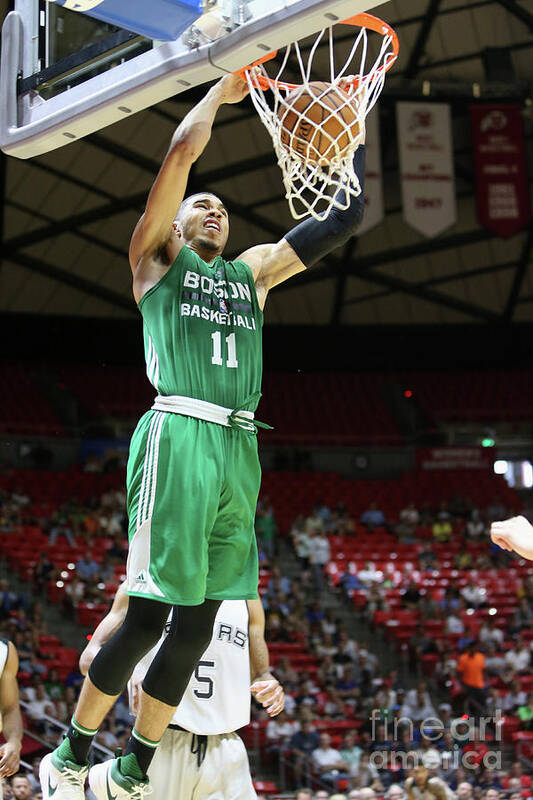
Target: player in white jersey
11,719
200,756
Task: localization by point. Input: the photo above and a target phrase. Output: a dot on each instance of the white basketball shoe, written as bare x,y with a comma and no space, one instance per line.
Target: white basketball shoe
61,779
108,783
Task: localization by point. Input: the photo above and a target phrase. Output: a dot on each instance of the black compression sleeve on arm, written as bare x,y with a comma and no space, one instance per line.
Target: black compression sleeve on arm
312,240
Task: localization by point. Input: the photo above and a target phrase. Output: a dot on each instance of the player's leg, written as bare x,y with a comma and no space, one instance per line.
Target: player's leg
174,506
163,687
63,772
233,562
225,771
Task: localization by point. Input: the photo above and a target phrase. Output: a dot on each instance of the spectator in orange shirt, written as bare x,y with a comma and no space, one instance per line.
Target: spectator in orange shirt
471,668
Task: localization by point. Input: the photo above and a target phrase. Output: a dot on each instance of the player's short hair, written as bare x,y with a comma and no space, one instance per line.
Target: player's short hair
191,198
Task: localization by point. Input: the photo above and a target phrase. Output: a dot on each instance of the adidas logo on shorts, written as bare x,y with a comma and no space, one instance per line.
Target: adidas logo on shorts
141,577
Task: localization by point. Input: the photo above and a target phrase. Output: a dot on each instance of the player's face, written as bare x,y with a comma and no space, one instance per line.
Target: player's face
203,220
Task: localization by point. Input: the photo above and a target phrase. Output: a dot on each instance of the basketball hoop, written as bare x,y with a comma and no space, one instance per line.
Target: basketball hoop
313,175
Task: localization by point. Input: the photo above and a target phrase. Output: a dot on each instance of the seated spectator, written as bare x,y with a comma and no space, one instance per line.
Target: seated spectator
74,593
516,773
367,777
518,657
347,649
302,744
427,558
442,530
21,787
314,523
87,569
327,647
490,634
454,624
515,698
523,616
525,713
347,687
319,555
373,517
61,528
474,596
475,527
300,541
411,595
39,707
475,751
328,762
494,663
43,572
350,752
417,704
117,552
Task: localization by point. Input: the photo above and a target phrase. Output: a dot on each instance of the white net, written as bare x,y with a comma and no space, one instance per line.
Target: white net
316,127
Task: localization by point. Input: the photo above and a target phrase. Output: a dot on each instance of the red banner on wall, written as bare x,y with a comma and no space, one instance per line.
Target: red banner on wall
501,168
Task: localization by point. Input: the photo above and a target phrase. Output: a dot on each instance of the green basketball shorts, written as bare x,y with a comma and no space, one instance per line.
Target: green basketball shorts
192,494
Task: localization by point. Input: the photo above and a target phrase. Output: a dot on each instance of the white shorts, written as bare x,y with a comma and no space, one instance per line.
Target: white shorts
224,774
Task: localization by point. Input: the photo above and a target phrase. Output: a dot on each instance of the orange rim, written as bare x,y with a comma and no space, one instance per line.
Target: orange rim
359,20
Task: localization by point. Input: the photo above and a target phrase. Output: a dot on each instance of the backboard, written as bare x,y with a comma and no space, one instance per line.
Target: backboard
64,75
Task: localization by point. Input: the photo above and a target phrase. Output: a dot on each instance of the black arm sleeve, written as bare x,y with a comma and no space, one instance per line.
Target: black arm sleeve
312,240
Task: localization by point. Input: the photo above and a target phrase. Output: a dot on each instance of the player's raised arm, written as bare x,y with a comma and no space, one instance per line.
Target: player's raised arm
514,534
154,229
266,689
107,627
307,243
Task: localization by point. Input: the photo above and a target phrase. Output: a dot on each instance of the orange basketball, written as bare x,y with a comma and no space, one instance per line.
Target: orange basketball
316,123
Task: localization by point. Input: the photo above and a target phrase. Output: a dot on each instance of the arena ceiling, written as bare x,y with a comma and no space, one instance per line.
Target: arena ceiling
68,215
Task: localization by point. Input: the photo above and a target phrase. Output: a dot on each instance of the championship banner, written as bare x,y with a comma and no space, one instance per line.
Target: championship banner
438,458
374,210
501,168
426,166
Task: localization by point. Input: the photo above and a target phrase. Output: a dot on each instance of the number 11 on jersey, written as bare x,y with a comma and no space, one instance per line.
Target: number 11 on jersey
216,358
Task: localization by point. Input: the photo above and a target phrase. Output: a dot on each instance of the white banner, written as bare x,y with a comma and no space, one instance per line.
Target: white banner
426,166
374,211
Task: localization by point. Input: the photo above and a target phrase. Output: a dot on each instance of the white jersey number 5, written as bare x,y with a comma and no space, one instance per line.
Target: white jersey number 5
207,683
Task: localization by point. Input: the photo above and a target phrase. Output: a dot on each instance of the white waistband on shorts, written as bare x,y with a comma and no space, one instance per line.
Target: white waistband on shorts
201,409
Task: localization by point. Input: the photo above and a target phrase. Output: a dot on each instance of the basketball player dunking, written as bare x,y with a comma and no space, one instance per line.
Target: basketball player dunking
200,756
193,471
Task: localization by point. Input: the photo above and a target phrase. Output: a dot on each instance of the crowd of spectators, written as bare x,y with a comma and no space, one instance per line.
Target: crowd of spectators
343,681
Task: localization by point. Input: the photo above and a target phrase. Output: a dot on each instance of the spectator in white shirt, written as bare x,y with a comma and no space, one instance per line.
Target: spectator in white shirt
490,634
518,657
473,595
417,704
328,762
454,624
515,698
279,731
319,555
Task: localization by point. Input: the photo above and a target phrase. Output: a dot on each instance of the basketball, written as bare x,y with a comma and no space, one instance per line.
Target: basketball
318,123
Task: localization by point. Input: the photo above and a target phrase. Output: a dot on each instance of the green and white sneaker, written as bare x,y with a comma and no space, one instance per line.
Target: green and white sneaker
62,779
108,783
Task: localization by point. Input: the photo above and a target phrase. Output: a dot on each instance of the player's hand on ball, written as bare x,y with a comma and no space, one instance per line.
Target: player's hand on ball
515,534
233,88
271,696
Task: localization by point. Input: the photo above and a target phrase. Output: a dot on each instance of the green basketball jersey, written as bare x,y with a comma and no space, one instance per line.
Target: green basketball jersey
202,331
